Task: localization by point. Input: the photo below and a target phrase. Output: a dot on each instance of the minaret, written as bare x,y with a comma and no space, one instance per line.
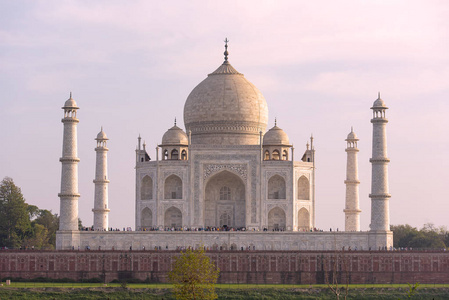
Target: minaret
352,210
68,217
380,214
101,181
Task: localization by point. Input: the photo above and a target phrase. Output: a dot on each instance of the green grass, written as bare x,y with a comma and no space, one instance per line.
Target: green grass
90,291
218,286
223,293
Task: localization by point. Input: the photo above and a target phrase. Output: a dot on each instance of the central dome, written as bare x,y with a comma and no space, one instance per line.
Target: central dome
225,108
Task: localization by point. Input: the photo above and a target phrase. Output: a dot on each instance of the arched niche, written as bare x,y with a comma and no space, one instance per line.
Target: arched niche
224,200
276,187
146,188
303,219
303,188
146,218
173,218
276,219
173,187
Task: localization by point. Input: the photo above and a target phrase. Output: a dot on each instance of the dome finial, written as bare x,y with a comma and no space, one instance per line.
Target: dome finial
175,121
378,95
226,53
70,95
275,121
101,128
352,129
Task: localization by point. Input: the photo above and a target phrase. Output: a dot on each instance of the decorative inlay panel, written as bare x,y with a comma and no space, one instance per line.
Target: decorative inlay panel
280,173
177,173
284,206
210,169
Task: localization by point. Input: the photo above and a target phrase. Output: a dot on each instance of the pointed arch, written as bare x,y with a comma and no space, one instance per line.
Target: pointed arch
303,219
267,155
173,218
276,155
173,187
284,155
184,155
165,156
174,154
146,218
225,200
276,219
276,187
146,188
303,188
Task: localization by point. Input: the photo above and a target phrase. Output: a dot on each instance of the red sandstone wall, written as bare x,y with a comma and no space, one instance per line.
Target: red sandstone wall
291,267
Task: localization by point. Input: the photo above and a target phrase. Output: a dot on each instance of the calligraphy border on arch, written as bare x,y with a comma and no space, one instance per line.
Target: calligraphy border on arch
212,169
283,174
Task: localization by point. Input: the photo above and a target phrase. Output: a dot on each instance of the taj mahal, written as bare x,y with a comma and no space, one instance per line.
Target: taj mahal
225,182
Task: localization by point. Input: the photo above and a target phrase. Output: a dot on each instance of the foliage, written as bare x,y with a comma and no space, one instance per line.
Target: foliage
194,276
44,228
22,224
38,239
51,222
334,267
92,291
412,289
124,284
14,217
33,211
428,237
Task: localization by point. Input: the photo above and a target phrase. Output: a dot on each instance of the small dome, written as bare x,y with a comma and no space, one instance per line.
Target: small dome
379,102
352,135
276,136
102,135
70,103
175,136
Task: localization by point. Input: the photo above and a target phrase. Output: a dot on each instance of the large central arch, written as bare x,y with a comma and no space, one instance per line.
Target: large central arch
224,201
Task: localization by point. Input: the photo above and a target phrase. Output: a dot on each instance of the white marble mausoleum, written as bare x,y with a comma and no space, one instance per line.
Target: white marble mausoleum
225,181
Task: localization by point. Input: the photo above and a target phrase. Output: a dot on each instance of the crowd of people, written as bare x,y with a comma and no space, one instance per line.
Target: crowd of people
109,229
207,228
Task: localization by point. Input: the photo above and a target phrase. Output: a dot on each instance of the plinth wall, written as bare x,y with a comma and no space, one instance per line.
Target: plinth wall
248,266
223,240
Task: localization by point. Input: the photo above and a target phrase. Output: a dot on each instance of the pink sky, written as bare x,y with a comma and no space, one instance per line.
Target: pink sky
319,64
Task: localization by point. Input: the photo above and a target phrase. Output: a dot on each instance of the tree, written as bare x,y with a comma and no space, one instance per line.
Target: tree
38,239
194,276
14,216
44,228
335,266
430,237
51,222
33,211
403,235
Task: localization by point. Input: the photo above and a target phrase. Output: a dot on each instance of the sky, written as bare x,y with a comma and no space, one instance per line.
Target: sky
319,64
